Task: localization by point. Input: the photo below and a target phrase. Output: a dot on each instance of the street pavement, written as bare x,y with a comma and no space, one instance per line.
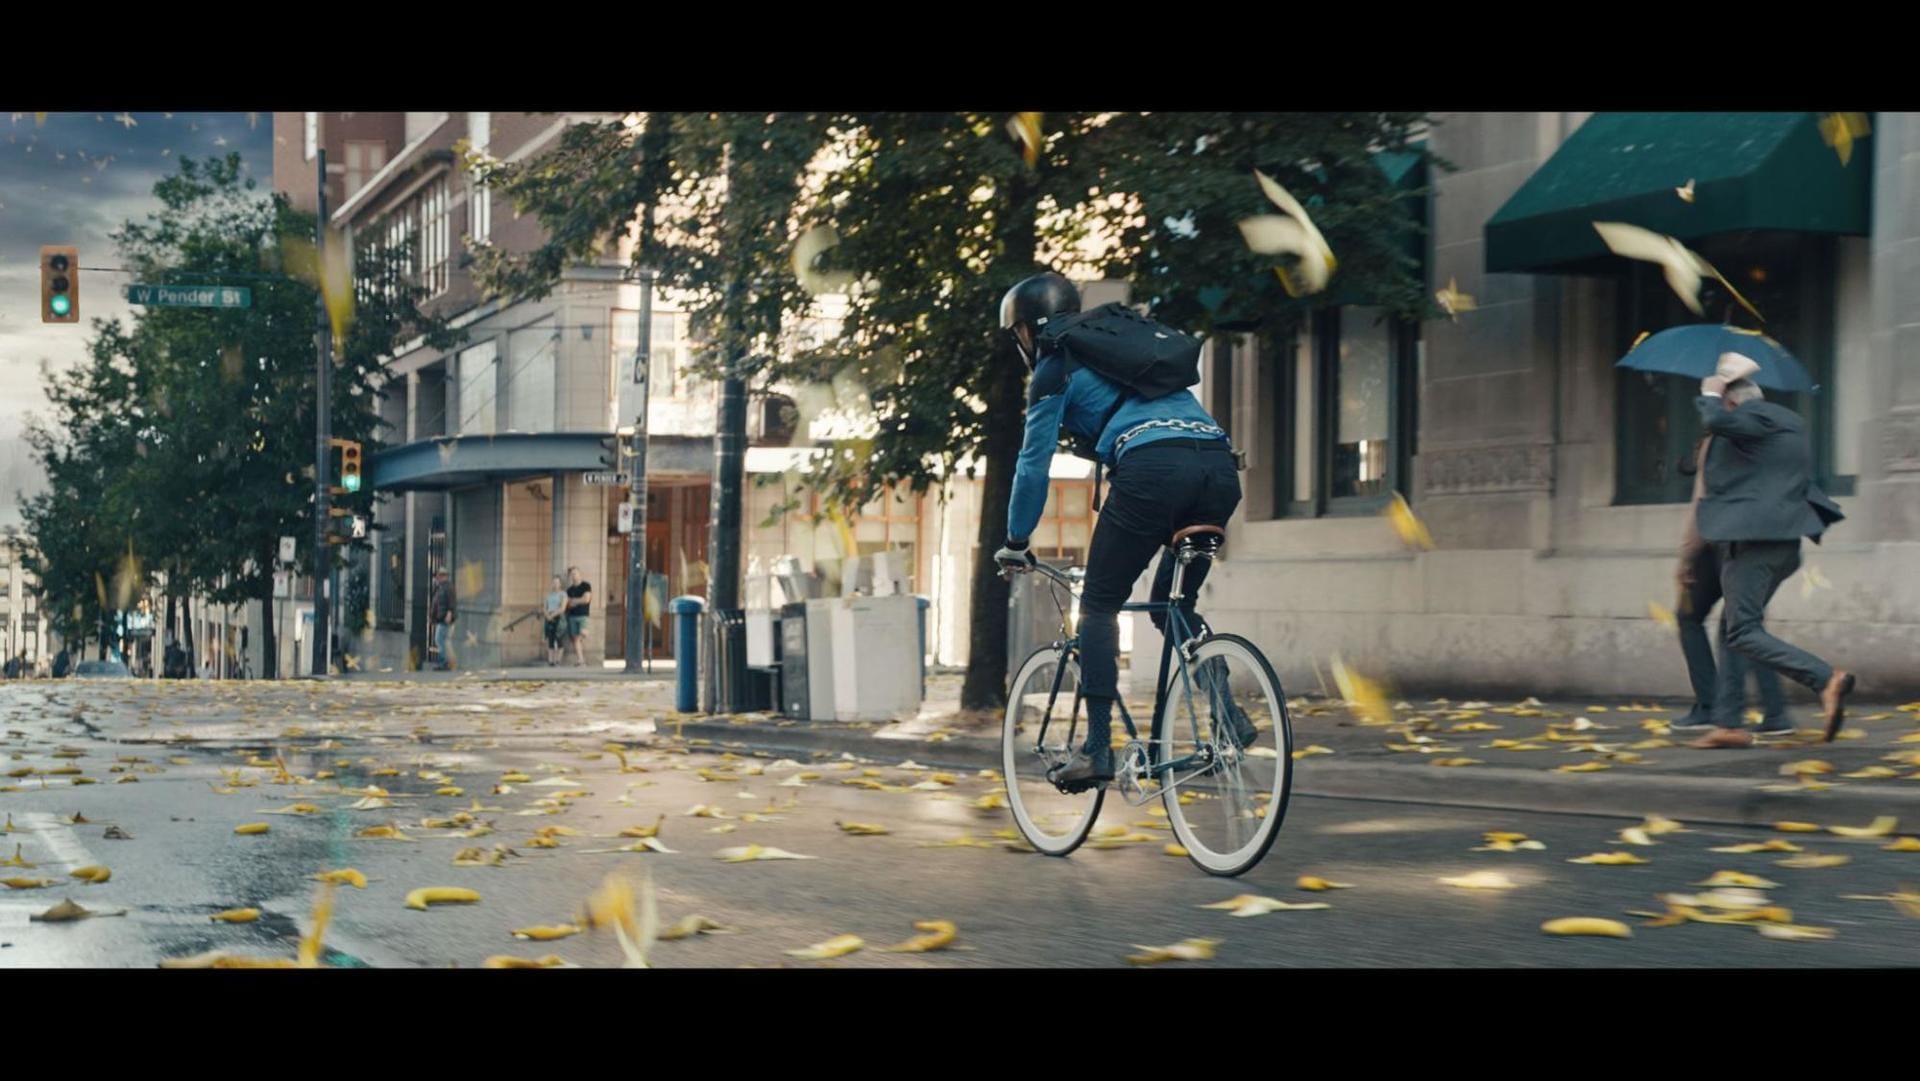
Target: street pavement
195,742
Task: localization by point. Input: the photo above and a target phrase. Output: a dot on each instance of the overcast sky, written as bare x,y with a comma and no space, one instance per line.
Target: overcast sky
73,180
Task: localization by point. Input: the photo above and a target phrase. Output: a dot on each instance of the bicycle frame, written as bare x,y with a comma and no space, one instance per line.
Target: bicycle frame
1176,629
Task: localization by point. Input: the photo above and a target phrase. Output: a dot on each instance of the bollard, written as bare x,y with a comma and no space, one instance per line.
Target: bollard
686,652
923,603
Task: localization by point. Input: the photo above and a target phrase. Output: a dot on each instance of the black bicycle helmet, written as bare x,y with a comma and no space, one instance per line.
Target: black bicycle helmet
1034,301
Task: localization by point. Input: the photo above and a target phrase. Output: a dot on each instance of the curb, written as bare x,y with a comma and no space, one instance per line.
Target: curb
1724,801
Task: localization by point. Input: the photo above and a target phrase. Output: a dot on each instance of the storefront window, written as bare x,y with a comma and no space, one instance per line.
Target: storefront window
1789,277
1346,386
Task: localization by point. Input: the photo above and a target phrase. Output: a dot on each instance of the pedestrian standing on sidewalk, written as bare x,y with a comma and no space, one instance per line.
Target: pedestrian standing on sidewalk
579,602
1760,500
556,613
1699,579
440,616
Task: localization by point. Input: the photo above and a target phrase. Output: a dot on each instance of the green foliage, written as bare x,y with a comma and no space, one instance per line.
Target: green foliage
188,434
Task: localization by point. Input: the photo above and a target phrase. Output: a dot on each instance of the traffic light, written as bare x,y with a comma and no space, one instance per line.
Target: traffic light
349,464
59,284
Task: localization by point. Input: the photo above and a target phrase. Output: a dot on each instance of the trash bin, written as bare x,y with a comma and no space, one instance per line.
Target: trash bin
794,694
731,683
686,652
1033,619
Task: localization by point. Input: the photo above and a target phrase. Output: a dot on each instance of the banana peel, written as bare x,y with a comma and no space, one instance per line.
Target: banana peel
441,895
940,934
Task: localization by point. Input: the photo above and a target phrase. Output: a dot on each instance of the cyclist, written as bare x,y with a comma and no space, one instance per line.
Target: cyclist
1171,467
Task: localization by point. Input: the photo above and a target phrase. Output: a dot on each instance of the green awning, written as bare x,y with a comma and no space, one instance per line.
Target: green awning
1750,171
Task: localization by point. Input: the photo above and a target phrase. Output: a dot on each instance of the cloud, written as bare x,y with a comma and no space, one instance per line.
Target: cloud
81,180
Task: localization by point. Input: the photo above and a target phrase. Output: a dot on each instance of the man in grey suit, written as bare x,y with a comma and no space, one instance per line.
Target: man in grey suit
1699,581
1760,500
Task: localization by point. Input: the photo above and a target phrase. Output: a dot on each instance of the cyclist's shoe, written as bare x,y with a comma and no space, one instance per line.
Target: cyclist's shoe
1244,732
1090,767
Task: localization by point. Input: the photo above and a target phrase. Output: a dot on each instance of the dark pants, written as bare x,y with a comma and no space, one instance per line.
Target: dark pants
1718,697
1750,572
1156,489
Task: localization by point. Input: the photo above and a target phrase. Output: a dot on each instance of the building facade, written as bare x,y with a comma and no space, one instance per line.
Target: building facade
1546,475
22,633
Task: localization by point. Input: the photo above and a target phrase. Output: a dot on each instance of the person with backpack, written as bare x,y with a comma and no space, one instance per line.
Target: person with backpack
1116,383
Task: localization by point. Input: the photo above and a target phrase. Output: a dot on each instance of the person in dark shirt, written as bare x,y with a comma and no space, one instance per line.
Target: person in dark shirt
440,615
579,601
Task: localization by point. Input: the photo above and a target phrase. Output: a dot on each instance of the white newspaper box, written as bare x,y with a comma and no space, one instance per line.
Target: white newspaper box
820,658
876,662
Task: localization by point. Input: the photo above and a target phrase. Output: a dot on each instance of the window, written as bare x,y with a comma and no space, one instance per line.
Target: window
1347,396
479,383
530,386
390,604
670,348
1790,277
891,524
436,224
1066,528
310,142
425,223
479,196
363,160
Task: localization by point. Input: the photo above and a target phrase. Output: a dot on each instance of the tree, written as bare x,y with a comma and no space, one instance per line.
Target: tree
191,429
936,215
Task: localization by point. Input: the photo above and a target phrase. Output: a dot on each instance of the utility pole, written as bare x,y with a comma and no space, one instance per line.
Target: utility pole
727,680
637,624
322,426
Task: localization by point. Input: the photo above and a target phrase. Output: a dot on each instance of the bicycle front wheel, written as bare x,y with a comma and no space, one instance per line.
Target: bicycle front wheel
1225,798
1041,730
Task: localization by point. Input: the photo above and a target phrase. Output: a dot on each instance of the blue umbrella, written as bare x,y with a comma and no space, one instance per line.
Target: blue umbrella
1695,350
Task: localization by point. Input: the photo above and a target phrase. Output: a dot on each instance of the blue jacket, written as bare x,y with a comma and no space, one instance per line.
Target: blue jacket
1079,399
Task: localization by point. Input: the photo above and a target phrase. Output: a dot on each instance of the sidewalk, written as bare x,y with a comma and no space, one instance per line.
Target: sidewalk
1648,769
540,673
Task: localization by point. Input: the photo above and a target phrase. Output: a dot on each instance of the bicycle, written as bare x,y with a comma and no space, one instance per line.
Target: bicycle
1224,802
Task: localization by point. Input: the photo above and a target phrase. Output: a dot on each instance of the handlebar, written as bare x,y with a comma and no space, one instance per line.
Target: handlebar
1070,578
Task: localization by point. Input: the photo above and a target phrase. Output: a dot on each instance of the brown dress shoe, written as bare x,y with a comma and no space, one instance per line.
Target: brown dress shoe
1834,698
1723,737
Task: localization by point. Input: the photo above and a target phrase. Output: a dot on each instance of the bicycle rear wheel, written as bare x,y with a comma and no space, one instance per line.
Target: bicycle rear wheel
1044,691
1224,801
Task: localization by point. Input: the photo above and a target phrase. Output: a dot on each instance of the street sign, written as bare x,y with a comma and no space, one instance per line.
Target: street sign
286,549
191,296
626,517
282,584
615,479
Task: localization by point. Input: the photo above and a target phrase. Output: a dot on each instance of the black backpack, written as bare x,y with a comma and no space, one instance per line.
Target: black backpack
1149,358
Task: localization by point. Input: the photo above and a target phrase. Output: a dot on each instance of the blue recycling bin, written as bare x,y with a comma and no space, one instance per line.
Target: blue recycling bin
686,652
923,604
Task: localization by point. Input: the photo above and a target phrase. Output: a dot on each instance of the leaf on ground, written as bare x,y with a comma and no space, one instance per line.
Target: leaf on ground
1796,827
1481,880
1738,878
237,915
546,933
1248,904
1609,859
940,934
1587,925
252,829
750,853
838,946
863,829
1797,933
1775,845
346,876
507,961
689,926
1190,949
92,873
441,895
1812,860
1311,882
1882,826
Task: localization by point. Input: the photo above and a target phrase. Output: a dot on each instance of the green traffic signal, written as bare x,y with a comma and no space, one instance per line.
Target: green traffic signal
351,482
61,305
